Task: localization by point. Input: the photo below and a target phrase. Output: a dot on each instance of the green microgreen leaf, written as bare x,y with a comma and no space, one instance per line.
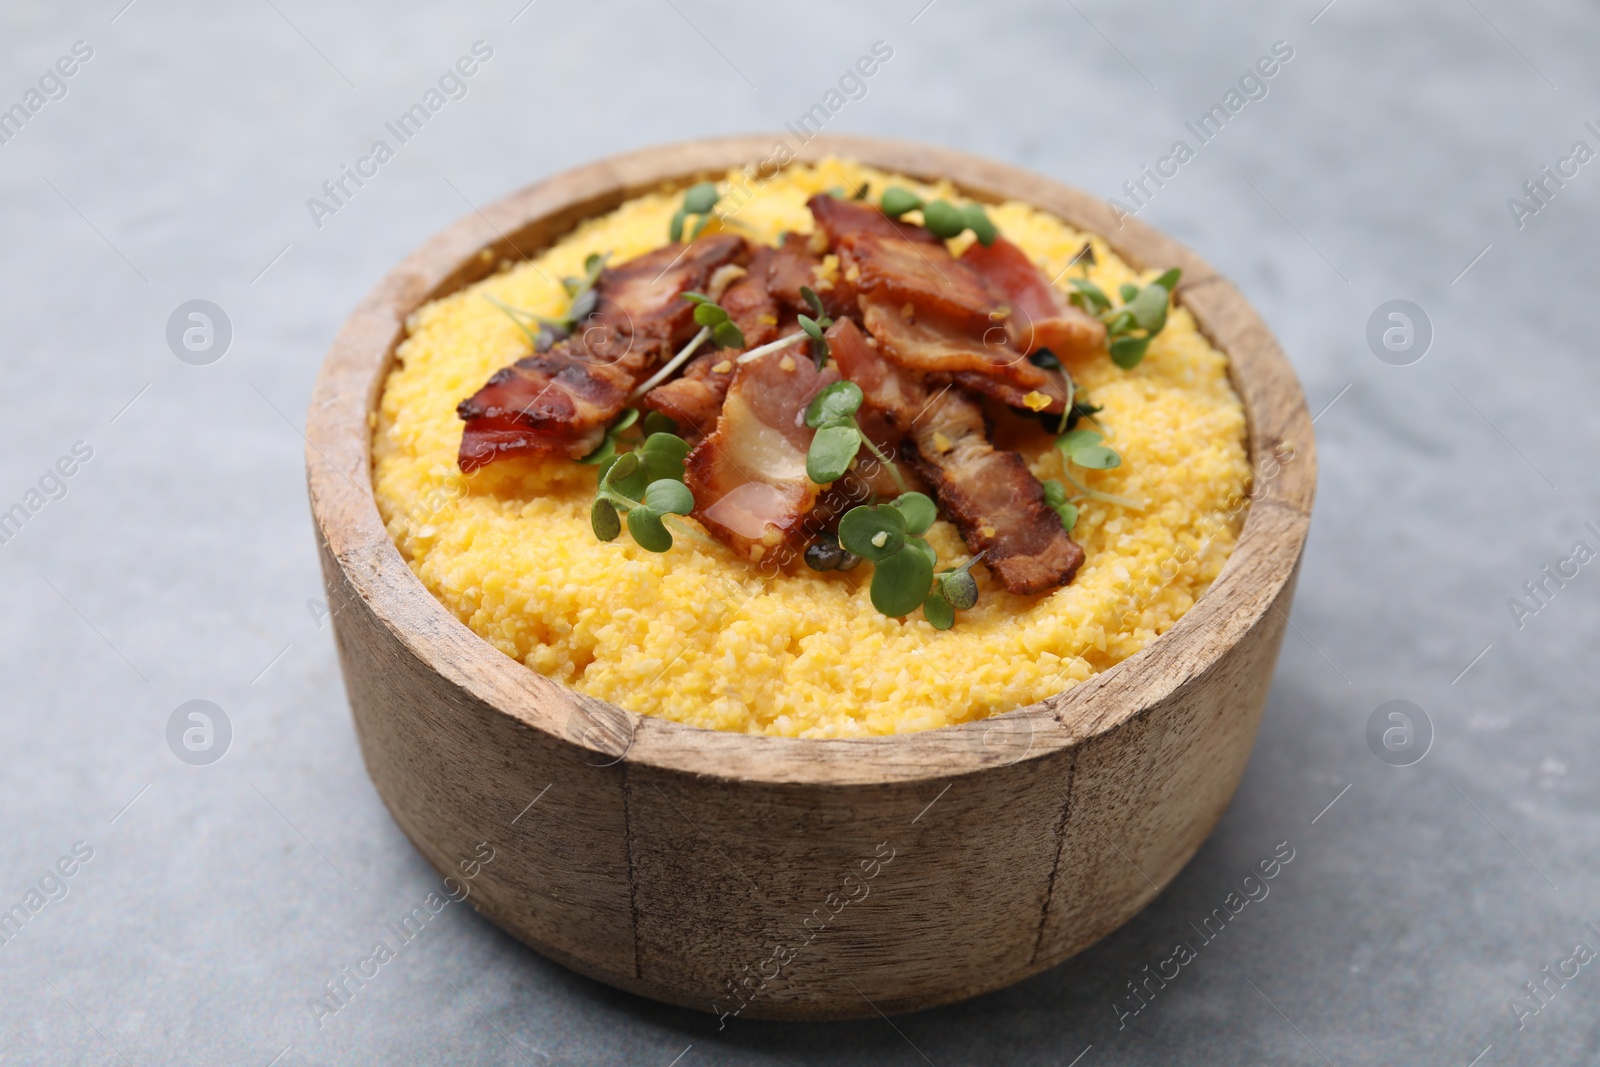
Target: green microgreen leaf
1127,290
897,201
840,400
813,301
937,610
1075,439
669,495
959,588
1069,515
728,335
1149,307
862,191
700,198
832,451
1127,352
583,305
919,510
1089,296
1083,447
1055,494
603,517
900,582
918,544
662,456
709,314
873,532
655,422
1169,279
648,531
626,477
1096,457
978,222
943,219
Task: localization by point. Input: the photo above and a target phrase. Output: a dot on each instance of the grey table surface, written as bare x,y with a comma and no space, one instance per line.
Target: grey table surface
176,563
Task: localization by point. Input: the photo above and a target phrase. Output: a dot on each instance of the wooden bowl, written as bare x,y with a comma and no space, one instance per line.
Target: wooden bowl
782,878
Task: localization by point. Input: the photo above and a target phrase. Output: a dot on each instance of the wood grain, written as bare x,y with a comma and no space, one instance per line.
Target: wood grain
747,875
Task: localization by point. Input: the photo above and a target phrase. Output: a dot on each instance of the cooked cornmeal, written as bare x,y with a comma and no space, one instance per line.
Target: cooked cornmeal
700,636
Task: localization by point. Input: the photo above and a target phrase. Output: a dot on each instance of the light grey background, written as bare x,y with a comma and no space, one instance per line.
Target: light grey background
180,564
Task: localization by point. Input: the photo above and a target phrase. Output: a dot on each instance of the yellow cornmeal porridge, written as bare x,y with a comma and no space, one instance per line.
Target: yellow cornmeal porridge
700,636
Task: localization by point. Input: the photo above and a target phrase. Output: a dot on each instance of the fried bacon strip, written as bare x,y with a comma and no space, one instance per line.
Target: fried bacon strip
842,219
928,345
929,310
558,402
1050,396
749,474
989,494
694,399
1041,316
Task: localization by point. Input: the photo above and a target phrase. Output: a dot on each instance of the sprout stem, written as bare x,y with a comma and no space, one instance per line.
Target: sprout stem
894,471
672,364
683,527
1095,494
782,342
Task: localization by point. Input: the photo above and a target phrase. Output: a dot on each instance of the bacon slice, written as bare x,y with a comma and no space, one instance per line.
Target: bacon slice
930,311
694,399
929,278
1051,396
990,495
926,344
749,475
558,402
841,219
1041,316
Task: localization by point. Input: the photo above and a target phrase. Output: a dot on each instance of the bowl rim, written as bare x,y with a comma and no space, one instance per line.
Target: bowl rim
344,507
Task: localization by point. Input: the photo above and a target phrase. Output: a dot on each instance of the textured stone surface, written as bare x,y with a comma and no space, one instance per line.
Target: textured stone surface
179,564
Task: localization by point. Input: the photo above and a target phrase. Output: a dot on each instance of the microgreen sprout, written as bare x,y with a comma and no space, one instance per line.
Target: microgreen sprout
832,413
715,326
1130,326
607,449
889,536
699,200
1083,448
814,326
585,298
942,218
953,590
646,485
